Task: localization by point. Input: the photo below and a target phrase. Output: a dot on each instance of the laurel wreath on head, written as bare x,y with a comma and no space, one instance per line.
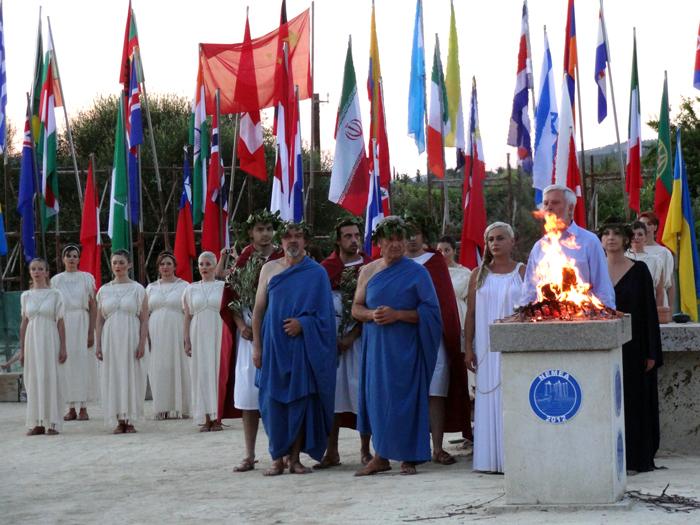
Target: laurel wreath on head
424,224
303,226
388,227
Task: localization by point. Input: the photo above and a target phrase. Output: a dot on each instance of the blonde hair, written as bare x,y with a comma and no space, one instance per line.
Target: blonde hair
483,270
207,255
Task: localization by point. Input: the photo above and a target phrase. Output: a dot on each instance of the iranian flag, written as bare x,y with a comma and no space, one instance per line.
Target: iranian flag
437,117
47,141
633,181
350,174
119,194
664,172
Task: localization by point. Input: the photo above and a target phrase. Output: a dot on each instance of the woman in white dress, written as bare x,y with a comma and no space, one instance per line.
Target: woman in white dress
201,302
42,348
78,290
169,370
494,291
638,252
459,274
121,334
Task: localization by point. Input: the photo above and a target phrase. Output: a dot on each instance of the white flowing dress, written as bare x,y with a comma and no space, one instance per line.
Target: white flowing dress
347,380
203,299
245,393
665,257
123,376
77,289
460,282
43,308
495,299
169,367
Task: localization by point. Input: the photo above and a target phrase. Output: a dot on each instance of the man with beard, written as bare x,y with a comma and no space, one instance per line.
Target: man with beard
294,346
449,396
343,266
396,301
238,395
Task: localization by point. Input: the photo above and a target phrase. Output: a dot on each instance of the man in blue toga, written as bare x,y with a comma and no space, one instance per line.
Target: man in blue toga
294,346
396,301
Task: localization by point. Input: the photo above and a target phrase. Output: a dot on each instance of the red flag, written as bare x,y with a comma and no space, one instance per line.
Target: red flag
573,181
474,208
250,150
185,250
90,231
215,228
131,42
220,64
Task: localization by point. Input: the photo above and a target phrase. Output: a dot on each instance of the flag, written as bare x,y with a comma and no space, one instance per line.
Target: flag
546,130
296,197
200,144
220,64
633,181
36,86
374,213
519,131
47,140
663,186
601,63
118,228
455,130
437,117
3,86
570,57
284,133
3,238
696,78
250,149
185,250
378,118
90,241
416,86
215,224
131,44
27,191
679,236
134,138
566,166
349,176
473,206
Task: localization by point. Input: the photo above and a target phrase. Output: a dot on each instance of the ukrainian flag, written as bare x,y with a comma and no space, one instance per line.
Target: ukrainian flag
679,236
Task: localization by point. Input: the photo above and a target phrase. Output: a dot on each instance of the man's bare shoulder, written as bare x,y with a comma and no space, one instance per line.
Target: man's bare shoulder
369,269
272,268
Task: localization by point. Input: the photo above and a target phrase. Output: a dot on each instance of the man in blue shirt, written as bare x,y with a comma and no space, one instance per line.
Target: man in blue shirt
589,255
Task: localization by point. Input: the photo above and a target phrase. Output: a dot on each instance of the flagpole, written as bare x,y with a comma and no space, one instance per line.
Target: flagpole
218,169
531,77
445,197
315,106
65,116
234,159
580,129
617,128
130,234
37,183
425,123
152,140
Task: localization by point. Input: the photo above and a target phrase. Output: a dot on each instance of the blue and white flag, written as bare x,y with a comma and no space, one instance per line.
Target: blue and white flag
602,58
546,127
416,88
374,202
3,86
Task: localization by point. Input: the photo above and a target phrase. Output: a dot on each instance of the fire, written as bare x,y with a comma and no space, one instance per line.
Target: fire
561,292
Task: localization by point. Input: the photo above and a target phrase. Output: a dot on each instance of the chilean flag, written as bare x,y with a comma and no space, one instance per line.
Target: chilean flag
185,250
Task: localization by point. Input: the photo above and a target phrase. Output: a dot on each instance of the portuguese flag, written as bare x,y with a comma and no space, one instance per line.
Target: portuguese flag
437,117
664,173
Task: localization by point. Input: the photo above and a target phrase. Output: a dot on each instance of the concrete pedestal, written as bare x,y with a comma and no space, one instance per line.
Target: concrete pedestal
564,422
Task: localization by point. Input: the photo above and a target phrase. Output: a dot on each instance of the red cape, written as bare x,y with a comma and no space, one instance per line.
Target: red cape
457,411
227,364
334,266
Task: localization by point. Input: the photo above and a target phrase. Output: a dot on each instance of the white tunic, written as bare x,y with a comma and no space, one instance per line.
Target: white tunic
43,308
666,258
460,282
495,299
245,393
123,376
77,289
169,367
203,299
347,380
654,265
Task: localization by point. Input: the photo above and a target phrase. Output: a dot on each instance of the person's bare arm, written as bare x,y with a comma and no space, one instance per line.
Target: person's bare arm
470,324
387,315
259,312
245,330
22,333
359,308
62,355
99,323
143,332
92,315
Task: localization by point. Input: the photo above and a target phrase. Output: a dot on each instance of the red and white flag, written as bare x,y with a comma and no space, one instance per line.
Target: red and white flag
437,117
633,180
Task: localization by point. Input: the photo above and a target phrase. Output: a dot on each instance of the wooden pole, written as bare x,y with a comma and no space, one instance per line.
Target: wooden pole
580,129
315,109
234,159
510,188
65,115
147,110
140,240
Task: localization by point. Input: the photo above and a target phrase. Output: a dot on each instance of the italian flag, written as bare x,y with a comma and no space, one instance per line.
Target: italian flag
437,117
350,174
633,182
47,140
664,173
118,229
200,142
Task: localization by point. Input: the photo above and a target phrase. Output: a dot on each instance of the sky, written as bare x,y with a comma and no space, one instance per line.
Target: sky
88,37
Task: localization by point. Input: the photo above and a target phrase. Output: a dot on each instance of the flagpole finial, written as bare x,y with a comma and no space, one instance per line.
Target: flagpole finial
246,10
349,40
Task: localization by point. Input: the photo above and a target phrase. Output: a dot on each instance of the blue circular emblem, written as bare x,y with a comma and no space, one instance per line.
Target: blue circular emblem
618,391
555,396
620,454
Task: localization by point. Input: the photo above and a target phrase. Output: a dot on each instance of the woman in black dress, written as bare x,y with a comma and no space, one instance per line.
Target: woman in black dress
641,357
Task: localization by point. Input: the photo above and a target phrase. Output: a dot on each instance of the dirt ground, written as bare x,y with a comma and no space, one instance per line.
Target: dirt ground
170,473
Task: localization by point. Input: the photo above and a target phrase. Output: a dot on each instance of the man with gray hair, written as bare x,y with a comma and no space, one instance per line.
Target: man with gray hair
587,251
